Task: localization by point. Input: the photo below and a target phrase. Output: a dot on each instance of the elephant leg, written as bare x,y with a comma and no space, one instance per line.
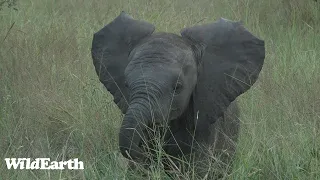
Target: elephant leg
214,160
224,138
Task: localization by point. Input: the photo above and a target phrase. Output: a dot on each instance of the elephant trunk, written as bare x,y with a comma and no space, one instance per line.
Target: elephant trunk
135,121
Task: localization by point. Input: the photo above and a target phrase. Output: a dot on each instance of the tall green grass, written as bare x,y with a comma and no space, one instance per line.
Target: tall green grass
53,105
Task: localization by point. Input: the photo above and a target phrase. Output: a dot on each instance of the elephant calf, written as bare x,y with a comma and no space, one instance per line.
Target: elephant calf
185,83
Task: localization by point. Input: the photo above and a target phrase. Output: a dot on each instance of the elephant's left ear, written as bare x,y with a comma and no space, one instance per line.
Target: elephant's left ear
229,59
111,46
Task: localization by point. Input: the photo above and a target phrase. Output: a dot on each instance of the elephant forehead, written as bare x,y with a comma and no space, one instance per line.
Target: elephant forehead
164,48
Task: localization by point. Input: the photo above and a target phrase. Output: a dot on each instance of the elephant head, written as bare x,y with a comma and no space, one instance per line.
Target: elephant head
158,77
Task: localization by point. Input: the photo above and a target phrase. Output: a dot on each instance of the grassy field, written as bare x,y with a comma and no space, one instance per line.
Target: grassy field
53,105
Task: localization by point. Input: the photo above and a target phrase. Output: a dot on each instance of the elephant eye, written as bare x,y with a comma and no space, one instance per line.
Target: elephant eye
177,87
126,84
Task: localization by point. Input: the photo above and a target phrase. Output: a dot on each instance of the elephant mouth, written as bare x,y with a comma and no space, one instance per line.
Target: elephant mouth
175,109
174,113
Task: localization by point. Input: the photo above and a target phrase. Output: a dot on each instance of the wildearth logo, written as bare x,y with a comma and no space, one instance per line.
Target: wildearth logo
42,163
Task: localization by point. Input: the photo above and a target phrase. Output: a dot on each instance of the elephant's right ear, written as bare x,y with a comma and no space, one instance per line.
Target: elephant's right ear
110,49
230,59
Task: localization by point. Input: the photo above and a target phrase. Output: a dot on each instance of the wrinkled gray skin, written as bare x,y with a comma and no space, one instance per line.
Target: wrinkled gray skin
184,82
